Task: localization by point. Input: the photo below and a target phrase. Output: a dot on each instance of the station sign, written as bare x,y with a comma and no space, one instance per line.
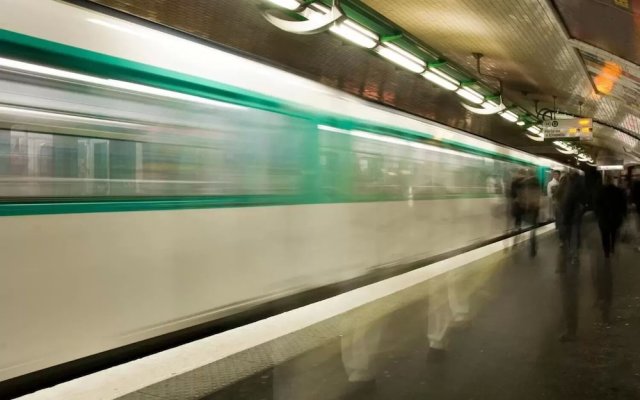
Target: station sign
572,128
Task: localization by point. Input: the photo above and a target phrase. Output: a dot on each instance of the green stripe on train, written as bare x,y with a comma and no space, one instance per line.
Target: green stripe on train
66,206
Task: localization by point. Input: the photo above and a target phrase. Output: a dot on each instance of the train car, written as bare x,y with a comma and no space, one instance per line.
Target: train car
150,183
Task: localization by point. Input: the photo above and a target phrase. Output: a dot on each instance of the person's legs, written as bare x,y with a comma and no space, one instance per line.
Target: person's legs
359,348
614,238
570,299
605,234
606,285
573,241
560,225
517,217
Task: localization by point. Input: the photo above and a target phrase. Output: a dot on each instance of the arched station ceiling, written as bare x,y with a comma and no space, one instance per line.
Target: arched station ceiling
539,48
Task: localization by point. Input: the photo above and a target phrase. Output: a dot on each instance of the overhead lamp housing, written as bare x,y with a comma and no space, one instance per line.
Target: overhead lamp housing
355,33
494,107
536,138
509,116
470,94
534,129
401,57
441,79
564,148
288,4
486,108
346,29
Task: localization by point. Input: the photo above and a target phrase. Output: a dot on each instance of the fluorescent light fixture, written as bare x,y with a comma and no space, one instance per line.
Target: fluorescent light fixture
537,132
288,4
355,33
441,79
492,107
521,123
509,116
112,83
562,145
584,159
487,108
536,138
564,148
315,10
401,57
490,104
533,129
470,95
610,167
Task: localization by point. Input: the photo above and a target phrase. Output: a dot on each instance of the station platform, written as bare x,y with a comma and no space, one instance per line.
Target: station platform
508,348
488,329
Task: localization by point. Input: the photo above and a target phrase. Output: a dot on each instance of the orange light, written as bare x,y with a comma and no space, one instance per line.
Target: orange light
585,130
573,130
607,78
584,122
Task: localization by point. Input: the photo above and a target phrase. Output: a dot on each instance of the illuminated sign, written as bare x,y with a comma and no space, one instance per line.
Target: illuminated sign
578,128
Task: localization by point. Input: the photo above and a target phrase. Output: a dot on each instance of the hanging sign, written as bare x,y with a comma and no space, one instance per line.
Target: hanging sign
573,128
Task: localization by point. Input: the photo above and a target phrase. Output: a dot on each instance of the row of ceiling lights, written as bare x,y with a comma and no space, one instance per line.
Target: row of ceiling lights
570,149
363,37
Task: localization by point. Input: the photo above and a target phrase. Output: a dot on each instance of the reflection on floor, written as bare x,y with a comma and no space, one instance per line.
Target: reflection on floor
504,346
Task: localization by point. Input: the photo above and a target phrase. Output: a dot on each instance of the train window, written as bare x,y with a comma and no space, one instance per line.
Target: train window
92,141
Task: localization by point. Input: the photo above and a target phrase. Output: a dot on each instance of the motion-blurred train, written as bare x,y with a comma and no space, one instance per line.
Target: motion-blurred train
150,183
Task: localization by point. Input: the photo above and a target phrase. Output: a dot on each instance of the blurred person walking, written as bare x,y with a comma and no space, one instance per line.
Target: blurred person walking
531,192
552,195
524,200
572,198
610,208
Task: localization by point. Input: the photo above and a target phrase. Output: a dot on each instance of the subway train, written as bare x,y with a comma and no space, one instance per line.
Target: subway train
150,183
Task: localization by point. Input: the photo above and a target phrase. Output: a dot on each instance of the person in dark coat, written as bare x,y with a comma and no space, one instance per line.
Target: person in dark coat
531,192
572,199
610,208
